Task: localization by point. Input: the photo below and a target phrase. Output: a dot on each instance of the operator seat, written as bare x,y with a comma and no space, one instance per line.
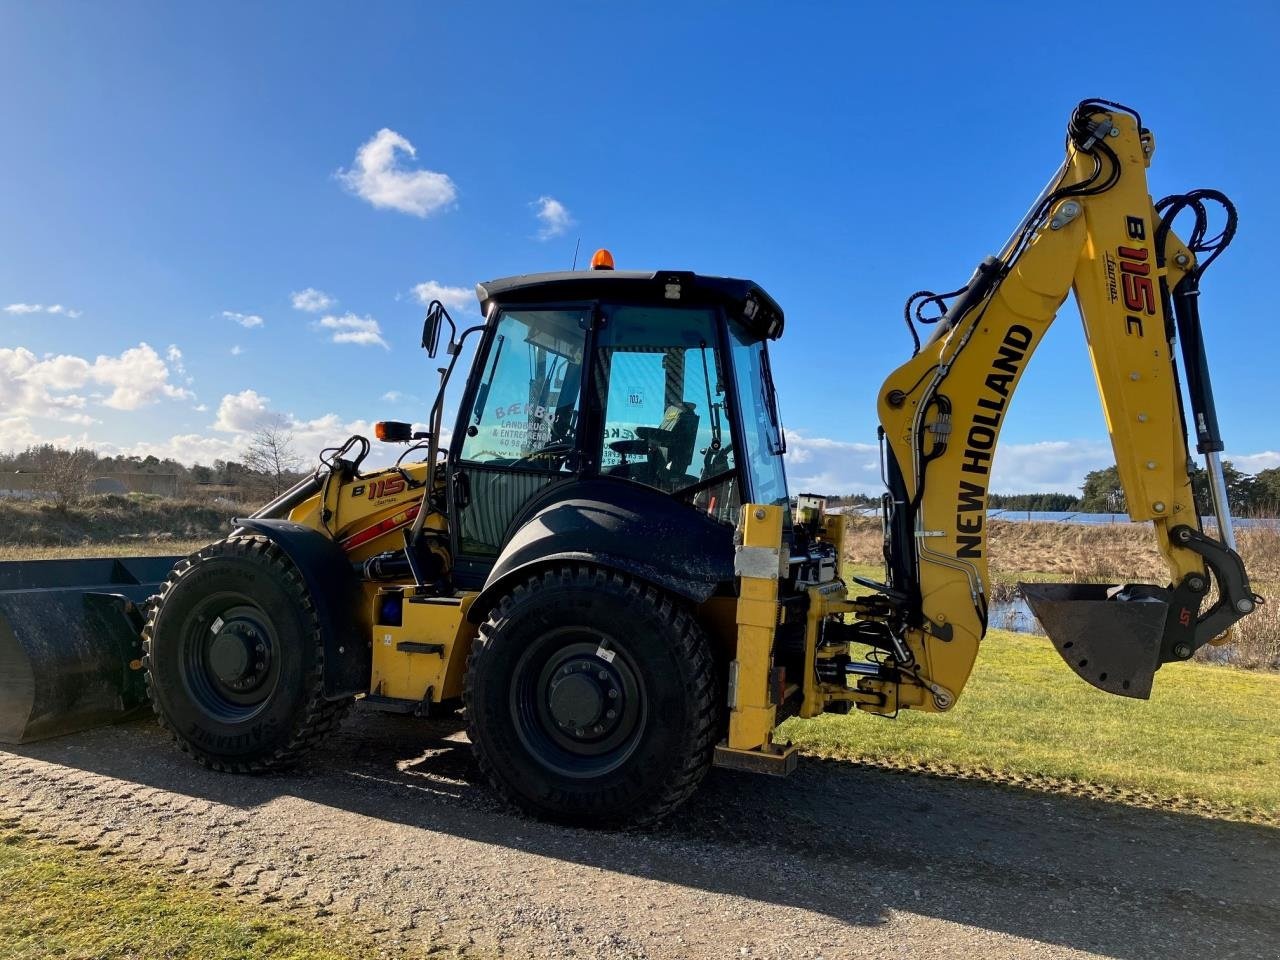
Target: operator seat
669,450
680,426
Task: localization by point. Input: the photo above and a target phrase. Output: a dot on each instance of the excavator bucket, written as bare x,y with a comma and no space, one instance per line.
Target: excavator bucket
70,644
1109,635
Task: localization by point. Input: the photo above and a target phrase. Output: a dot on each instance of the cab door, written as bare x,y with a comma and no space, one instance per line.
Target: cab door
520,431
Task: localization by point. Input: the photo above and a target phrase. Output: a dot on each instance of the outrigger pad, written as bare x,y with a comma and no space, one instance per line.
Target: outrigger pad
1109,635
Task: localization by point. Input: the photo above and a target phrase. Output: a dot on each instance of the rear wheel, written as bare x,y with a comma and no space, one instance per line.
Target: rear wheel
590,698
235,659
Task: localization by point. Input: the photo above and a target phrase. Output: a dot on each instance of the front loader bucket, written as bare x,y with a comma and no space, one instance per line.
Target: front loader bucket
70,644
1109,635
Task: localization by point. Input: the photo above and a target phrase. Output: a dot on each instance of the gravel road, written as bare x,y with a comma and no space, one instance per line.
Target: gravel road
387,825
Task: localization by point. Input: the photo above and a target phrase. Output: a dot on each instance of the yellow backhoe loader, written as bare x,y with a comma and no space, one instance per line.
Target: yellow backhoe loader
601,562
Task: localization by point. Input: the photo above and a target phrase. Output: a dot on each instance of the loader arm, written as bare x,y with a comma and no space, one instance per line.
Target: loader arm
1094,231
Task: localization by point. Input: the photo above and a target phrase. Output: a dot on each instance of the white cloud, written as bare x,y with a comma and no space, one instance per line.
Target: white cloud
378,178
457,299
236,350
1253,462
49,387
187,448
17,433
819,465
53,308
554,217
241,411
822,465
393,396
137,377
246,320
312,300
351,328
1051,466
174,356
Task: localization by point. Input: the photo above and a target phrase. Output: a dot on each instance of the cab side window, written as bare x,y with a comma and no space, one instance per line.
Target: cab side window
660,386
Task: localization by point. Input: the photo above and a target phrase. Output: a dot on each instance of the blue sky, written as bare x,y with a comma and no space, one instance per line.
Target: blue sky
172,176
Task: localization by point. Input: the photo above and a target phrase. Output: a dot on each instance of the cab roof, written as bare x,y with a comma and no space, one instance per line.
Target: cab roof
745,301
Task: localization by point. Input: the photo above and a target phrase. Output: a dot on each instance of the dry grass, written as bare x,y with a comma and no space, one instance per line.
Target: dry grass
129,548
1112,553
112,520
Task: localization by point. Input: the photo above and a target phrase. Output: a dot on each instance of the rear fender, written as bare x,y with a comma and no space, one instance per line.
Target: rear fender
335,591
618,526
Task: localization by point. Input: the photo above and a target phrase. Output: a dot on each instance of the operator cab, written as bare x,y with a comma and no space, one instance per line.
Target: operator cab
653,379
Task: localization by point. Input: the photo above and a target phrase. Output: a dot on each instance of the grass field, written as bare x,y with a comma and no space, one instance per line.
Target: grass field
1208,732
60,902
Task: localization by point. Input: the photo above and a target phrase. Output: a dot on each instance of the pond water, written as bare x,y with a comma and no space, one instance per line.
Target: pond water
1013,615
1016,616
1062,516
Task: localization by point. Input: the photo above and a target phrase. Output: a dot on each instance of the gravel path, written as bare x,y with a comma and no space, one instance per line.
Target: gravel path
388,825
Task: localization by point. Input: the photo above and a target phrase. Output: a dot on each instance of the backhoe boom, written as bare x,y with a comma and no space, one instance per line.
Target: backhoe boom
1094,231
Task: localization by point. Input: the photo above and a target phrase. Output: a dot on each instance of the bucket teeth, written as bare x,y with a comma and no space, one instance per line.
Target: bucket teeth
1109,635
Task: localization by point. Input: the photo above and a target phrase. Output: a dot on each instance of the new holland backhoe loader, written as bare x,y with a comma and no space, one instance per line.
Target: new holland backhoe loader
601,563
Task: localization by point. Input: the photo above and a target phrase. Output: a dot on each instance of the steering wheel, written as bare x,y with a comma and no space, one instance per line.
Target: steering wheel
630,448
551,451
655,435
717,459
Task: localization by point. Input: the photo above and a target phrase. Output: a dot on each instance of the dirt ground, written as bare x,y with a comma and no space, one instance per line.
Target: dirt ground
388,826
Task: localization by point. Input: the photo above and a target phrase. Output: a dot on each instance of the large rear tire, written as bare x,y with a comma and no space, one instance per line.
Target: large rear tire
235,659
590,698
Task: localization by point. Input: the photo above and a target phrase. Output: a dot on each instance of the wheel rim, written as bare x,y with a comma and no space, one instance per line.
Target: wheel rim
230,657
578,702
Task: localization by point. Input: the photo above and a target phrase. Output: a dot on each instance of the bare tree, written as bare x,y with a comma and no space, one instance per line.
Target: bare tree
64,474
270,453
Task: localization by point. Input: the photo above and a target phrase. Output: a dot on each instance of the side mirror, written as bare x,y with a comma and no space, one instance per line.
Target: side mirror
431,327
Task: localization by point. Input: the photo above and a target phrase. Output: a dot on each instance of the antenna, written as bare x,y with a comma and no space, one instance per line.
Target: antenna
576,244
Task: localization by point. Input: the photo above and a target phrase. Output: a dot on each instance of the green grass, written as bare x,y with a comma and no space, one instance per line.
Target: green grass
58,902
1208,732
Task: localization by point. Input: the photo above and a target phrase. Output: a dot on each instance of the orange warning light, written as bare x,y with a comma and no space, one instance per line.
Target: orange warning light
602,259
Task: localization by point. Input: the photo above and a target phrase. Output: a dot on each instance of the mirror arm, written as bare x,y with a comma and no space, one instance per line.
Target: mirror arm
454,349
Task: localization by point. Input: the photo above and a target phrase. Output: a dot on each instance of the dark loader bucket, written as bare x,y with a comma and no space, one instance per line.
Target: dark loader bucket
70,644
1109,635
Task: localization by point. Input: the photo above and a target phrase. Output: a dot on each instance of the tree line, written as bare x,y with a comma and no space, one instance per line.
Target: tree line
267,466
1248,495
1253,495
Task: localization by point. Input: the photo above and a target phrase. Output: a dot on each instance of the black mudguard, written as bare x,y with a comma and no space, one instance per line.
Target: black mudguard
335,591
620,526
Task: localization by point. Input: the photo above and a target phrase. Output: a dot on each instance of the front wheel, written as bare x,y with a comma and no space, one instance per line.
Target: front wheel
235,659
590,698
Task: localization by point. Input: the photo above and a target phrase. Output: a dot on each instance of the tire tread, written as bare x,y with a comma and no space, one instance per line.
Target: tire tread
690,644
320,716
